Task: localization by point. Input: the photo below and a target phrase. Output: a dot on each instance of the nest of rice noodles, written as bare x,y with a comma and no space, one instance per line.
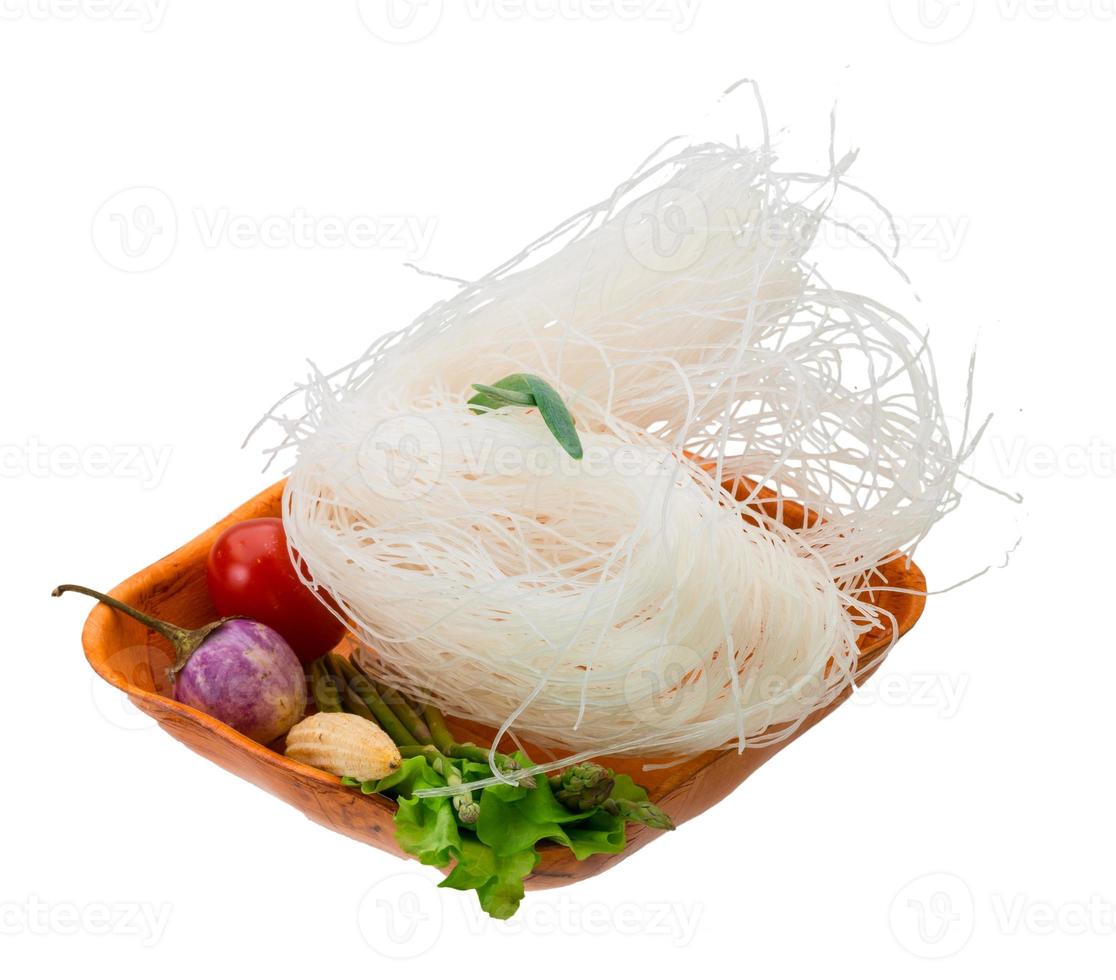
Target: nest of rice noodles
627,602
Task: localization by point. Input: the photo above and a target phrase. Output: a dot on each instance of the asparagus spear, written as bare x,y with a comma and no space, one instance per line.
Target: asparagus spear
408,729
366,691
325,686
446,744
353,703
430,729
406,714
467,809
350,700
582,787
439,731
428,752
645,813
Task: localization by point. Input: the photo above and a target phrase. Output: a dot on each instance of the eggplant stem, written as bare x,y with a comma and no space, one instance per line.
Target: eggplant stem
185,641
169,630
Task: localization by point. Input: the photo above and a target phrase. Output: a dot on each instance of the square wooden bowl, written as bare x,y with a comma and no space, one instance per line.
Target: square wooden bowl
134,659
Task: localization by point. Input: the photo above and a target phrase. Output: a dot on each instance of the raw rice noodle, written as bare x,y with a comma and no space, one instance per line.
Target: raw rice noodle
628,603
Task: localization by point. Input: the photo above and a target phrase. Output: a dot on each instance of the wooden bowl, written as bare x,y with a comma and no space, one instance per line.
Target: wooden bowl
133,659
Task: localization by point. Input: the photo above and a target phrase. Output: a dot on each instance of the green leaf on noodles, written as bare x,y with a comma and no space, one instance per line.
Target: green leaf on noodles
529,390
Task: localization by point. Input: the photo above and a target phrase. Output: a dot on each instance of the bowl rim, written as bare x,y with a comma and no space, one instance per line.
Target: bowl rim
907,609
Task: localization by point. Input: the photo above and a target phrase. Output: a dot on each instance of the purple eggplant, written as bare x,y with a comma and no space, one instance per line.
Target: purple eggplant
237,670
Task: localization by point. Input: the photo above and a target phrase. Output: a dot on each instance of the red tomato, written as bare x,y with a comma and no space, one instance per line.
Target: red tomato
250,574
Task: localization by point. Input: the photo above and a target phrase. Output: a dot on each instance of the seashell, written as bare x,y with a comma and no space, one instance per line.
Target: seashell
343,744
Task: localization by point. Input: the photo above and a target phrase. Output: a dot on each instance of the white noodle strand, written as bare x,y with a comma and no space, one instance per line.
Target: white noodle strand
627,603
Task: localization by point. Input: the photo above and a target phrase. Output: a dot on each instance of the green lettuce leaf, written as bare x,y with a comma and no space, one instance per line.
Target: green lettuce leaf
495,855
427,828
513,818
497,880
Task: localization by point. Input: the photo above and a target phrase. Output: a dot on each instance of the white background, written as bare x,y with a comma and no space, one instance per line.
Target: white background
980,755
